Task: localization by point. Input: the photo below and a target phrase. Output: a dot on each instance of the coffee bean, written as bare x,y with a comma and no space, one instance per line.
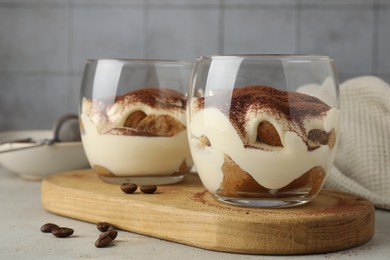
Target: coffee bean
103,240
111,233
129,187
61,231
48,227
149,189
103,226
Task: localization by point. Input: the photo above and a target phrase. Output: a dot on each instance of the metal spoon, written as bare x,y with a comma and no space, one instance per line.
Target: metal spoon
57,137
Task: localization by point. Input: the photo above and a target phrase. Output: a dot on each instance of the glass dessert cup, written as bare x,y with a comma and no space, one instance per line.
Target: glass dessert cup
263,129
132,120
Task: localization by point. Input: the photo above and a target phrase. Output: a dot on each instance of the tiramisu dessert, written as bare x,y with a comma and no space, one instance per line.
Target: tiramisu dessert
141,133
261,142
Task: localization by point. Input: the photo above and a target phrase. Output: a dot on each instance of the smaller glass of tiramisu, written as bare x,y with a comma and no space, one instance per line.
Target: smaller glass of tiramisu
132,120
263,129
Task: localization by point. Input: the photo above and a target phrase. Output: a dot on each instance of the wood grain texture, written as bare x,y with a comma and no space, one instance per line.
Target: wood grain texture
186,213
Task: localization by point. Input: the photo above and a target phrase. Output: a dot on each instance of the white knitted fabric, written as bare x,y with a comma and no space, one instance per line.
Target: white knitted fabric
362,164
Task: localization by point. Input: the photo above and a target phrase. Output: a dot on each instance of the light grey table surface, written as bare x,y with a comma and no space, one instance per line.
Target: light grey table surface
22,215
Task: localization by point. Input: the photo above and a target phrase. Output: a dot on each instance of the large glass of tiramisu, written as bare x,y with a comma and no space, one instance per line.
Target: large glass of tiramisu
263,129
132,120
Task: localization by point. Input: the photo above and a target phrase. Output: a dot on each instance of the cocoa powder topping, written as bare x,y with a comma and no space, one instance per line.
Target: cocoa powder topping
291,106
155,97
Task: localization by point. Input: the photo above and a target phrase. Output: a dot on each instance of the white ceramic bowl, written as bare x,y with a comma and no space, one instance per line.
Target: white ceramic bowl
38,162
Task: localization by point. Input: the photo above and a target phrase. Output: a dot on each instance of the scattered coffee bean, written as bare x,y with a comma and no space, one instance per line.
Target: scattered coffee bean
103,226
111,233
129,187
48,227
148,189
61,231
103,240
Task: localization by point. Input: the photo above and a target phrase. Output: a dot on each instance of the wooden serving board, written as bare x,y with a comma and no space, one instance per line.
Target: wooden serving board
186,213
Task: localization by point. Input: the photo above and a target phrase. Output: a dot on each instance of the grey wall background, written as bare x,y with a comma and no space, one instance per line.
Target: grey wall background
44,44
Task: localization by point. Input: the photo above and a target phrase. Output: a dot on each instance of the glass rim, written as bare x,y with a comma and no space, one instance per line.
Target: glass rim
145,61
310,57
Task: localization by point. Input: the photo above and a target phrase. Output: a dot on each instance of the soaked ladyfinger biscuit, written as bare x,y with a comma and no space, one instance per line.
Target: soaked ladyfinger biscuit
317,137
134,118
312,179
236,182
266,133
203,142
160,125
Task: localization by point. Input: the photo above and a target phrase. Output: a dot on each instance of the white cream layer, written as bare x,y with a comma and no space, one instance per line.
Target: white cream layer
271,167
135,155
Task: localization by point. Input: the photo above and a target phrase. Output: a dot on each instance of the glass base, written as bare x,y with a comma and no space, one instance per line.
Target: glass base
149,180
265,202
